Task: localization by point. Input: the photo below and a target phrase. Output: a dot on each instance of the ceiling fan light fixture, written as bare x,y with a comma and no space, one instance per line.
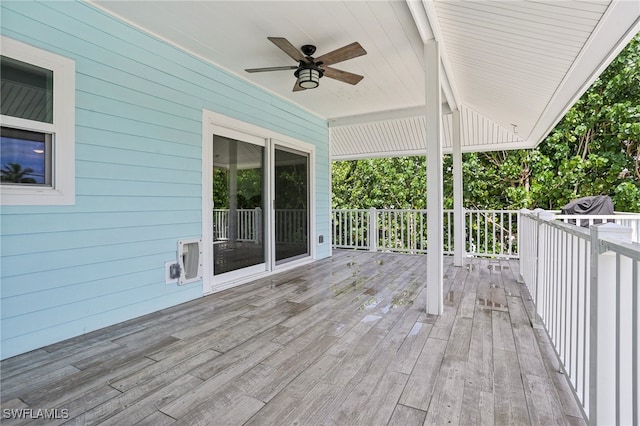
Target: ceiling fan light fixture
308,78
308,72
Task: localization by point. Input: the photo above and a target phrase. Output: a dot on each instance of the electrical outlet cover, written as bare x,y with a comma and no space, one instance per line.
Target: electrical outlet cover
167,273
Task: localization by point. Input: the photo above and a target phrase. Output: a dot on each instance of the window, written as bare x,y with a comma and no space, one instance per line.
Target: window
37,116
26,157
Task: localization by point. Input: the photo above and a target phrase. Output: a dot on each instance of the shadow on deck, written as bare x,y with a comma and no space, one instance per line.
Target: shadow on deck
343,341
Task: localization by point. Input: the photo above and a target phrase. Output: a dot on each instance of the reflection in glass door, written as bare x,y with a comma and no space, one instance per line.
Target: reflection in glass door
291,204
238,205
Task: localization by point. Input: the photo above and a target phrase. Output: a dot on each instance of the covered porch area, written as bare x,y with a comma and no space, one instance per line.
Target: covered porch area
344,340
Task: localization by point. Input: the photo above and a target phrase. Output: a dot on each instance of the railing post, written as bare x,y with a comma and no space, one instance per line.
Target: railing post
603,333
257,225
373,229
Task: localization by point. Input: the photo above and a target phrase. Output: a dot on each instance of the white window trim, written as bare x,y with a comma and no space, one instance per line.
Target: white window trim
62,191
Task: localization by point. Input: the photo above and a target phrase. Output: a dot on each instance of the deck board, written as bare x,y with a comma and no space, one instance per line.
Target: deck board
341,341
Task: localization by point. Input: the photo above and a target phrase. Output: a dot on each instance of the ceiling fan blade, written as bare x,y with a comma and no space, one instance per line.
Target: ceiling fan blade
287,67
344,76
288,48
349,51
297,87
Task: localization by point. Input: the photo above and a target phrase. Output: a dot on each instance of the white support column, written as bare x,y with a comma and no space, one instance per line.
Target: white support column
434,178
458,208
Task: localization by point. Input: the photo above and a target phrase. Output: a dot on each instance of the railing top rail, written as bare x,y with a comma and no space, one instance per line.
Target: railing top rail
615,212
491,211
533,214
425,210
381,209
631,250
238,210
599,216
570,229
260,208
401,210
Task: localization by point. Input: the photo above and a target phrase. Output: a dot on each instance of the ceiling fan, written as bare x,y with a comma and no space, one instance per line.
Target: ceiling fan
309,69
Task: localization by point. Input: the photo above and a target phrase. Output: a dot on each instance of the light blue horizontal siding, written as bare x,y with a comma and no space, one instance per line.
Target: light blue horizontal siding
323,200
51,223
71,258
68,270
93,320
77,291
115,171
95,203
14,245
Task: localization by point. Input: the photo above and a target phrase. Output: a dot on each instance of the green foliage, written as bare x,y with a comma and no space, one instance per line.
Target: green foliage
14,173
594,150
291,186
384,183
248,187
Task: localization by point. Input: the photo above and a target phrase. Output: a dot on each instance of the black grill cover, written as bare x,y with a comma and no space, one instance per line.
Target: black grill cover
599,204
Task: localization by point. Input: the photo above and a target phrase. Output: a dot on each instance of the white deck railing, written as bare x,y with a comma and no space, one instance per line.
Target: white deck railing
248,225
584,282
291,225
488,233
628,220
384,230
492,233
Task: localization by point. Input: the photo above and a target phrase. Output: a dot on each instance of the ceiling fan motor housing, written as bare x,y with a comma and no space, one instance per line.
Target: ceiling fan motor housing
308,49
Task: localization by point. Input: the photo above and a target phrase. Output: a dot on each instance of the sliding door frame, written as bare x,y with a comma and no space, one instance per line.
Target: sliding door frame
214,123
278,145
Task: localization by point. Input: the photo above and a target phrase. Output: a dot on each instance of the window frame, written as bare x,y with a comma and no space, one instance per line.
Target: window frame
62,130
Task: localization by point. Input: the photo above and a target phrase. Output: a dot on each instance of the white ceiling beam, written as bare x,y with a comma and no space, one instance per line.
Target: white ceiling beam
420,18
374,117
448,81
426,34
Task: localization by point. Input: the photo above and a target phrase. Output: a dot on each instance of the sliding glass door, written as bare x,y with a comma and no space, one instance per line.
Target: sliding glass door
257,204
238,205
291,204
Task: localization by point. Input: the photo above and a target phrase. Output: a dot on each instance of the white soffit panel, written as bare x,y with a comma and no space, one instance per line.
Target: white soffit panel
527,62
405,135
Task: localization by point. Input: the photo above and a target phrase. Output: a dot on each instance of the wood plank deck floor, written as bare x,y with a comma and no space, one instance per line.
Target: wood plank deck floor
343,341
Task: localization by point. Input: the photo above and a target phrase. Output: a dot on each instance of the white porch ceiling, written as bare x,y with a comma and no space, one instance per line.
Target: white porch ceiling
513,68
